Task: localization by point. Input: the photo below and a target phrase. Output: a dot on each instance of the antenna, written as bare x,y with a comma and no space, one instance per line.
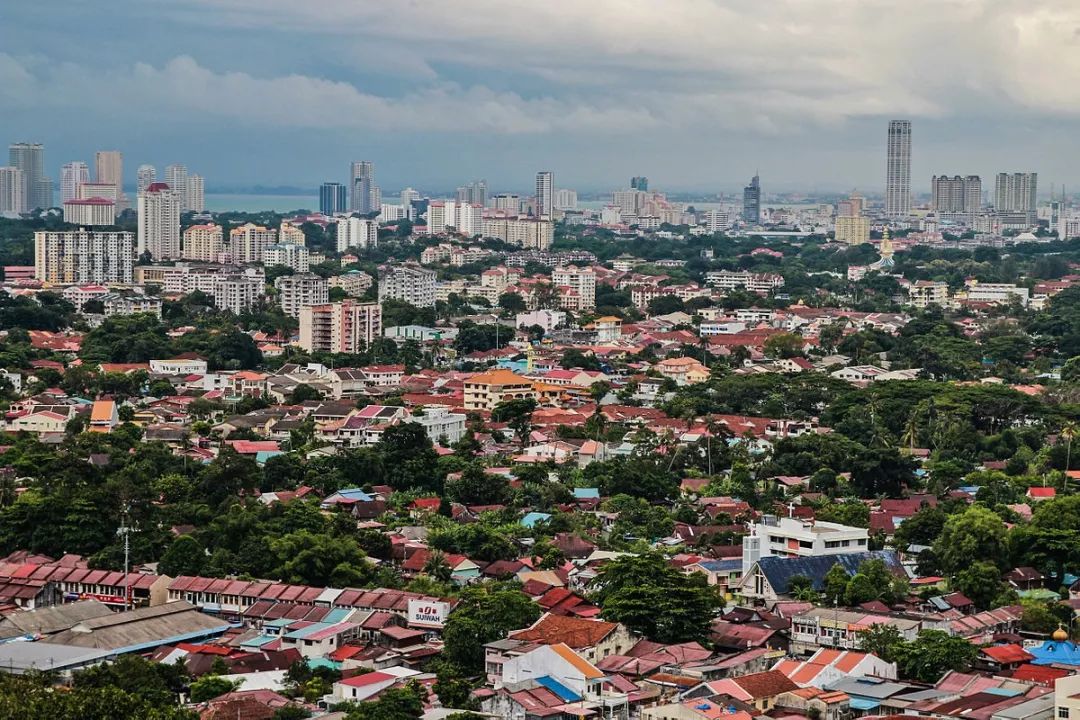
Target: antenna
125,531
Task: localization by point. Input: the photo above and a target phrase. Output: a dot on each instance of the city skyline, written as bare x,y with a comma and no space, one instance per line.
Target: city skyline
700,112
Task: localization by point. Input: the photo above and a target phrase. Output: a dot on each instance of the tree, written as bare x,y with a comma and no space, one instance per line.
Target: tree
184,557
36,696
484,613
835,584
649,596
157,683
922,528
518,415
303,393
306,558
512,302
933,653
981,582
409,458
664,305
784,345
475,486
974,533
209,687
882,640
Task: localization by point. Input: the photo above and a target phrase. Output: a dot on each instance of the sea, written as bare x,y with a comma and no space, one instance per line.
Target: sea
221,202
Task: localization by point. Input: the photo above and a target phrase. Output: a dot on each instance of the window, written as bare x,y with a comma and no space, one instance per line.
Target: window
1063,713
862,541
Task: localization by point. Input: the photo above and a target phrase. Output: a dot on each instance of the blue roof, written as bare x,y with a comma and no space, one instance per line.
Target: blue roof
858,703
263,455
323,662
721,565
586,493
534,517
565,694
780,570
1056,653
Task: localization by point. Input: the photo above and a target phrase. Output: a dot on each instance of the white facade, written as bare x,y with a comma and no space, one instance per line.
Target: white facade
581,282
545,195
341,327
565,199
248,243
753,282
12,191
898,169
295,257
176,177
204,242
794,537
547,319
147,176
296,291
524,232
409,283
159,222
83,257
94,211
72,175
237,293
195,198
357,233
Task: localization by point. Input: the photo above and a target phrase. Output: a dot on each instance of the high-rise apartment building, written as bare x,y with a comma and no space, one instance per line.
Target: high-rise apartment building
1015,197
751,201
176,177
77,257
159,222
365,195
507,202
576,287
852,227
639,182
196,194
629,202
957,195
236,293
248,243
524,232
295,257
146,176
72,175
205,243
90,211
301,290
464,218
545,195
30,158
409,283
109,168
289,234
12,191
353,232
408,196
565,199
898,169
333,198
475,193
341,327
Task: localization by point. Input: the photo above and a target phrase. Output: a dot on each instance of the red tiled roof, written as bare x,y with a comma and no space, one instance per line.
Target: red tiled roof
569,630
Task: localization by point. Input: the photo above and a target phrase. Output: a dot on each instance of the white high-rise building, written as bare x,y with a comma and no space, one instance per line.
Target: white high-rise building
37,188
341,327
898,169
78,257
508,202
196,196
146,177
12,191
236,293
1015,197
365,196
717,220
109,168
958,195
294,257
72,175
90,212
248,243
545,194
300,290
408,195
159,222
360,233
576,287
565,199
176,177
205,243
410,283
464,218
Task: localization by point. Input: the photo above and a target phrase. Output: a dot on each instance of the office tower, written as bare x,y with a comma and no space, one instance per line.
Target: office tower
30,158
545,194
365,197
898,169
77,257
301,290
333,198
565,199
409,283
109,168
639,182
1014,197
956,195
248,243
205,243
341,327
354,232
475,193
12,191
751,201
851,227
72,175
176,178
159,222
196,194
408,195
146,177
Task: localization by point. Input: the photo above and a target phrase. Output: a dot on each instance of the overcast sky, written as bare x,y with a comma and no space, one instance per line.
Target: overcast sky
696,94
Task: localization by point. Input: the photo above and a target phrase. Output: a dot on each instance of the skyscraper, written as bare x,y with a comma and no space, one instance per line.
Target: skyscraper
30,158
1014,197
545,194
956,195
12,191
898,169
751,201
176,178
159,222
365,196
146,177
196,194
333,198
72,175
475,193
639,182
109,168
851,227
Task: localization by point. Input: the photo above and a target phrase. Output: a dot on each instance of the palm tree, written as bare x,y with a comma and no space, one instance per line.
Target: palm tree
438,567
911,432
1068,432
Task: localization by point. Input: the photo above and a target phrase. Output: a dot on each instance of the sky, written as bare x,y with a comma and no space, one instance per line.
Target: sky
695,94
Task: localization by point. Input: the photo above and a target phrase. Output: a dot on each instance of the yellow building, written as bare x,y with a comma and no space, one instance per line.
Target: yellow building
485,391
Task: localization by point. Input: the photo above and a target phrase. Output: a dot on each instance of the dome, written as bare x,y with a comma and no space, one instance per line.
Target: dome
1060,635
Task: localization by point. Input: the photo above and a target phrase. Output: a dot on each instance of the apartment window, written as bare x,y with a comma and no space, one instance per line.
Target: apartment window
862,541
1063,713
805,544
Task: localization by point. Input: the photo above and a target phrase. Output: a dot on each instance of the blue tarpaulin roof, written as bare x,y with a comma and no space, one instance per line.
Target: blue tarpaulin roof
565,694
780,570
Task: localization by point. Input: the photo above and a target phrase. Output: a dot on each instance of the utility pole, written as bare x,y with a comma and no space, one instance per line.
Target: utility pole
125,531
